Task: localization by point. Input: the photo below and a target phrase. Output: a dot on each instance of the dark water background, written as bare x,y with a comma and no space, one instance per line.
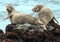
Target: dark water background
25,6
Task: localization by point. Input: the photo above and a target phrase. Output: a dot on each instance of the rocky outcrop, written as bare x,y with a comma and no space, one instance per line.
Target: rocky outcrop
29,33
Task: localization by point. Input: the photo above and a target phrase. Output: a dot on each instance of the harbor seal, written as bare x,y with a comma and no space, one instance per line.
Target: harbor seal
45,14
21,18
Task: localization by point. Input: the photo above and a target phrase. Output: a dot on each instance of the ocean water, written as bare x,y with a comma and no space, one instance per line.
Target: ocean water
26,6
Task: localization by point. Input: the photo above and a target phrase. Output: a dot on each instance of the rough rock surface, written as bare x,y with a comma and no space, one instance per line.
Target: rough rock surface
30,33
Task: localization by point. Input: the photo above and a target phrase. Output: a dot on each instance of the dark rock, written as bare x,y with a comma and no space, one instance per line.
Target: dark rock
31,33
9,40
13,37
9,27
1,35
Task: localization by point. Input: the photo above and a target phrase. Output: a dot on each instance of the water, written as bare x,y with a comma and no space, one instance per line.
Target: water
25,6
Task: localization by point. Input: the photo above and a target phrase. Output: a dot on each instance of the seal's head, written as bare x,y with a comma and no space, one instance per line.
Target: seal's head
9,8
37,8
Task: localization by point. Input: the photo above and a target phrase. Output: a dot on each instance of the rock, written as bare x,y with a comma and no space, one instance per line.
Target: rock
9,27
30,33
27,27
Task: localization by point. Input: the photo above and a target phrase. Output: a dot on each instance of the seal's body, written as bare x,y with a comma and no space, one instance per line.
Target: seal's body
21,18
45,14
